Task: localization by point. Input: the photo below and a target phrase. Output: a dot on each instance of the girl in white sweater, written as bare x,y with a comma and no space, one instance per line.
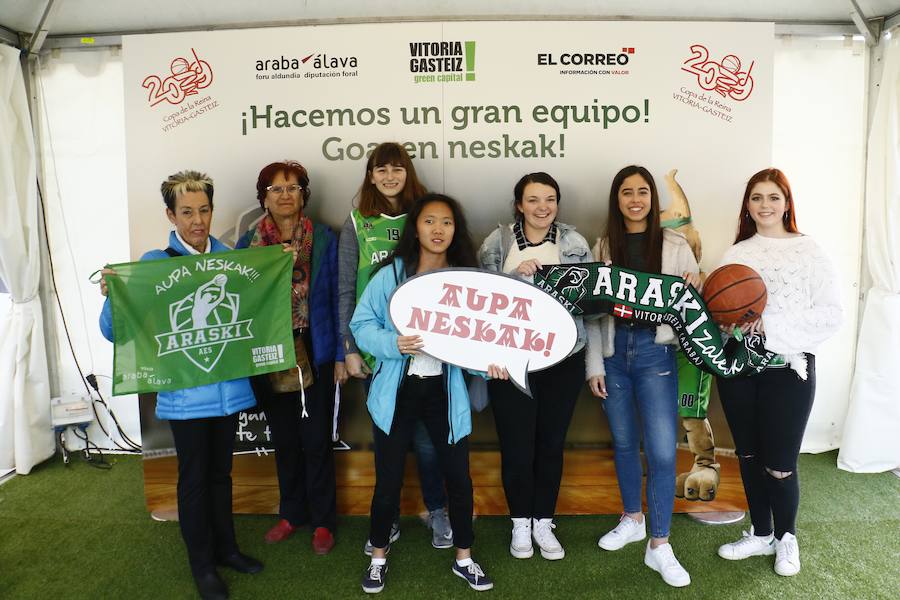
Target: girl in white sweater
767,413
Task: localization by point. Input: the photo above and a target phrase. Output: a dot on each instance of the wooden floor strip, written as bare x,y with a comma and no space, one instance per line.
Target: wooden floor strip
588,486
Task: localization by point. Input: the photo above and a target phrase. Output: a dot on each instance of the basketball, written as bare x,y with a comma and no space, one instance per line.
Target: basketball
734,294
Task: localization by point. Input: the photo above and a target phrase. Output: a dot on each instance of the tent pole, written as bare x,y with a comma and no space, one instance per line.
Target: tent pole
30,65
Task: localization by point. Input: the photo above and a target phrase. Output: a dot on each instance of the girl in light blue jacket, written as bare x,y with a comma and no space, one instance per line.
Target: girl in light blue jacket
408,386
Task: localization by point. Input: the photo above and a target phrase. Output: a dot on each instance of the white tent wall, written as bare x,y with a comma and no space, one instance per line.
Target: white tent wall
819,137
83,145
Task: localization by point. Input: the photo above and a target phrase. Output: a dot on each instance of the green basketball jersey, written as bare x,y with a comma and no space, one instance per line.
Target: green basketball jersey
693,389
376,237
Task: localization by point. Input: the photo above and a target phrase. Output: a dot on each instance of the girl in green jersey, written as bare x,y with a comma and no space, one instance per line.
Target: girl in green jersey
388,191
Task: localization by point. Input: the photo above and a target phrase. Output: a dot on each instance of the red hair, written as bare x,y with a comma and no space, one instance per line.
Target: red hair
286,168
746,225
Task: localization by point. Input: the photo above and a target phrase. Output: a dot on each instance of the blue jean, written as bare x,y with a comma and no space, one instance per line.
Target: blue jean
642,383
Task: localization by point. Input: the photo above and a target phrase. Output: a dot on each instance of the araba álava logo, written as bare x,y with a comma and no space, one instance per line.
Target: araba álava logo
473,319
203,322
317,64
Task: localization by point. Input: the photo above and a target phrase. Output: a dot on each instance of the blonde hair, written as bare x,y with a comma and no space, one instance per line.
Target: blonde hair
186,181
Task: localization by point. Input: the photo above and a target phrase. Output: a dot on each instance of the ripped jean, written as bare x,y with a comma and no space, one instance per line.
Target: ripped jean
641,379
767,414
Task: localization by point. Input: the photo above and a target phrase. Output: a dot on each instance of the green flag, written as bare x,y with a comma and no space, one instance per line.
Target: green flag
592,288
193,320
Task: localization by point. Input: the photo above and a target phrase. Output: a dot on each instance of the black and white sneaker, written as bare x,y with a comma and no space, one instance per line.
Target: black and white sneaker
373,578
474,576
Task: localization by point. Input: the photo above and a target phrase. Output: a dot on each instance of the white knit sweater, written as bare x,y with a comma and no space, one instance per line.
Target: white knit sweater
803,307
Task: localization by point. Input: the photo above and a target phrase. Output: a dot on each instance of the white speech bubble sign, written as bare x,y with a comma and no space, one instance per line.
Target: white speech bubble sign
472,319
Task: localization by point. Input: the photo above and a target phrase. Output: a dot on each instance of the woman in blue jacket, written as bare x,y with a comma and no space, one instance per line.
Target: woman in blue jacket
299,410
409,386
203,419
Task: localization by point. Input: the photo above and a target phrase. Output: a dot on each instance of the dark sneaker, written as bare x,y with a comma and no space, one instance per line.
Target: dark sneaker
475,577
373,578
395,535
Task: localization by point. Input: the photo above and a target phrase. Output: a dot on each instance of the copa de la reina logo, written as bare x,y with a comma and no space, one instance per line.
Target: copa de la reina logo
182,90
314,65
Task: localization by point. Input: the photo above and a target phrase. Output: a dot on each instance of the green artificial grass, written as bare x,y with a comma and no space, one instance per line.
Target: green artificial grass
78,532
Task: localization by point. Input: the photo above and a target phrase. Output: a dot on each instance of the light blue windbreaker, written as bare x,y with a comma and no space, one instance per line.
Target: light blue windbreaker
373,331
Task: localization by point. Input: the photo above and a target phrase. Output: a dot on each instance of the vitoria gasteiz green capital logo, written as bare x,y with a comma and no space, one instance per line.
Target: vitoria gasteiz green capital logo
442,61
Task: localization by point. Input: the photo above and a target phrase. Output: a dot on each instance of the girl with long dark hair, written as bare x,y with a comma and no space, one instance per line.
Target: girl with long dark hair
389,189
767,413
638,378
409,387
532,429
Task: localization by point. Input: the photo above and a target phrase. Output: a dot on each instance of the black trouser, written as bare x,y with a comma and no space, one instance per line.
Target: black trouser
767,414
425,399
304,456
204,448
532,434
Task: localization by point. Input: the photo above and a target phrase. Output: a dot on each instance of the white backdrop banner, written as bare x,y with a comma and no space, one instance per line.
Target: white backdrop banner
477,104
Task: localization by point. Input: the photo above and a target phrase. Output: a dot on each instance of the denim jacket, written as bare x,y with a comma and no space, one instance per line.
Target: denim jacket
573,249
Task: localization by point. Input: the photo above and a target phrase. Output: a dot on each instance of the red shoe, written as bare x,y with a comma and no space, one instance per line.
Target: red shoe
323,541
282,531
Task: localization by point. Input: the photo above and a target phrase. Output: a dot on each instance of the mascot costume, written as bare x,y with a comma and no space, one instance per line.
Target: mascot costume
702,481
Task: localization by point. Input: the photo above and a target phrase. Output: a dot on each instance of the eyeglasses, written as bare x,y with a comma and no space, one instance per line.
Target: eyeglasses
280,189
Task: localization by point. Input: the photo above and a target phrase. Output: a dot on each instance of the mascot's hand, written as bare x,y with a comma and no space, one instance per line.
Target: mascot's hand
703,479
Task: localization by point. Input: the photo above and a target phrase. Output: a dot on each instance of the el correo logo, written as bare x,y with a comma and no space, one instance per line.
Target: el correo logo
203,322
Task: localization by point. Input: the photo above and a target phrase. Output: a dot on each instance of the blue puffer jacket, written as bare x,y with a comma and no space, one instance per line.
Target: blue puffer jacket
213,400
323,299
374,333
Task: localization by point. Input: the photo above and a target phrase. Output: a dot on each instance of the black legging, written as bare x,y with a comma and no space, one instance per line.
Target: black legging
422,399
767,414
532,433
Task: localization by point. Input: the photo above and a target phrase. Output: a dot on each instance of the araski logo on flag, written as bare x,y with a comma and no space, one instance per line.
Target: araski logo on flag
473,319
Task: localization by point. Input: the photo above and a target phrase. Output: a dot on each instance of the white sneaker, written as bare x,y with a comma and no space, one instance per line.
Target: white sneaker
662,560
542,531
749,545
520,546
787,555
628,530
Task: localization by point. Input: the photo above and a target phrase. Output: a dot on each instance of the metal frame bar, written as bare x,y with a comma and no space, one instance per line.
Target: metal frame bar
891,21
87,41
43,28
9,37
870,29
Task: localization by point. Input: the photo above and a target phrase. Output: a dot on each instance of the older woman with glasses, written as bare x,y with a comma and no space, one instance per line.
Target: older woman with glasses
299,403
